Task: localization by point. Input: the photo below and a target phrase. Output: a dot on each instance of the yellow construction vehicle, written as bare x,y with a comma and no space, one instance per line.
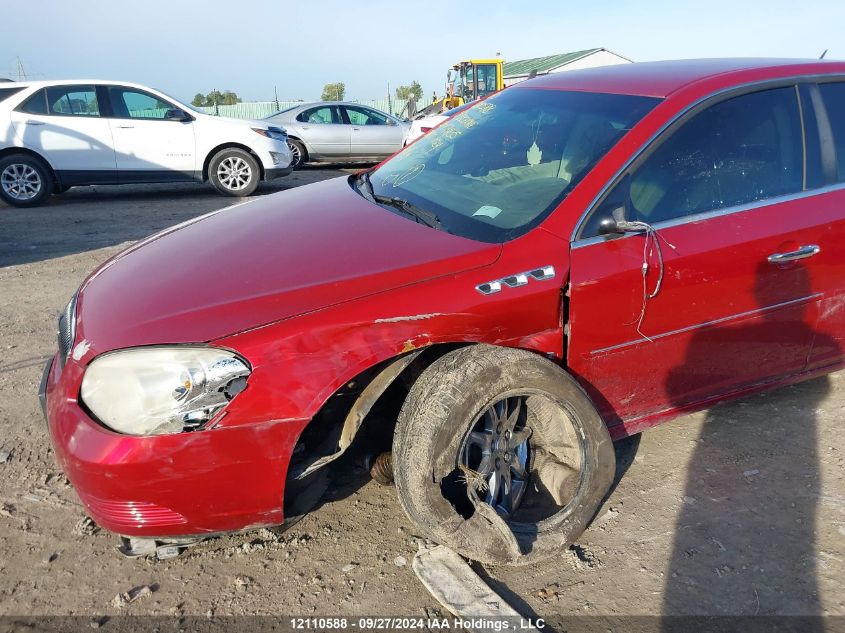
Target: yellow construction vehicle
467,81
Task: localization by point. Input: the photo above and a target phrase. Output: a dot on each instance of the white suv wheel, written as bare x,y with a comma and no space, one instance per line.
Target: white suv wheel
21,182
25,181
234,172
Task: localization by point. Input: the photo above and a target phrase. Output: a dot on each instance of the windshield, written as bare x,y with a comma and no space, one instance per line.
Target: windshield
459,84
499,168
180,104
288,109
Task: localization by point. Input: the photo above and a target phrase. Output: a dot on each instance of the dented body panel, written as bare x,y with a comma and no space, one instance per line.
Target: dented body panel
317,286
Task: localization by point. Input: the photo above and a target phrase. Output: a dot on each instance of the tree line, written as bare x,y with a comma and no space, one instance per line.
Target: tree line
215,98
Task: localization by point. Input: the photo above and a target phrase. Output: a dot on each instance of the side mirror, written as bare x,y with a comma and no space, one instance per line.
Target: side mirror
177,114
617,226
609,226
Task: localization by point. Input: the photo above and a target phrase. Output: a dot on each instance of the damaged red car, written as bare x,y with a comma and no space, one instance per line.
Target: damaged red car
568,262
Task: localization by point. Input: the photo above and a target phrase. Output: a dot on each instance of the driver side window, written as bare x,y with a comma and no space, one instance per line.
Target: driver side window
364,116
129,103
741,150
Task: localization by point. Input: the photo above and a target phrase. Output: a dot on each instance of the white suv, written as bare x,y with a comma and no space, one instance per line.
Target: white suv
57,134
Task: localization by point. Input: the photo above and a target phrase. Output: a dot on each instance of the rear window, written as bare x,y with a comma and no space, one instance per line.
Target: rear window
63,101
5,93
36,104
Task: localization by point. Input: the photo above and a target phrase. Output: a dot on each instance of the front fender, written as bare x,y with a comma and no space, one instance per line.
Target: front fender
300,362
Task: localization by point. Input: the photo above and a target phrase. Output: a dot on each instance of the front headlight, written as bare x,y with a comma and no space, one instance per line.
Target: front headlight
275,133
157,390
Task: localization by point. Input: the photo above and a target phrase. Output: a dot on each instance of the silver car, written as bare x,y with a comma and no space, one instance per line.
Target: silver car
337,131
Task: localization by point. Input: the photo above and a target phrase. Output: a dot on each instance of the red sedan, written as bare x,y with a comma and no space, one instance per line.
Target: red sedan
567,262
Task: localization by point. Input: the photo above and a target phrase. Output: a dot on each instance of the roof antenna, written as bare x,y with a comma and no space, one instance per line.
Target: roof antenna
823,54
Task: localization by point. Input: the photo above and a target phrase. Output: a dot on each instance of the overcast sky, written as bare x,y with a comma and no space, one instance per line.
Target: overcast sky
183,47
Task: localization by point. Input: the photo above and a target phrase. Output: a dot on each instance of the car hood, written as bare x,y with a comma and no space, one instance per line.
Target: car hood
259,262
250,123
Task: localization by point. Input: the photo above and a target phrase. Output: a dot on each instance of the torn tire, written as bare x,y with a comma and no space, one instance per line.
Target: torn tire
485,422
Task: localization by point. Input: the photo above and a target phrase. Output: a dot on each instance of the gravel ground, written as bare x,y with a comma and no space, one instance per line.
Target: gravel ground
736,510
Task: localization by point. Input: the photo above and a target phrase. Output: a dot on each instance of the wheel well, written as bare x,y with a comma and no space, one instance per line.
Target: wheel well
374,434
355,422
9,151
214,151
301,142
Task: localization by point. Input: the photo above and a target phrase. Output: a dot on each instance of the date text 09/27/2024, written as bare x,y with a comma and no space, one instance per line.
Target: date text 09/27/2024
410,623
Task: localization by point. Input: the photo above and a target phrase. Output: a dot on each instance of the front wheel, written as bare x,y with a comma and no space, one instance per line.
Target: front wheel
25,181
298,153
234,172
500,455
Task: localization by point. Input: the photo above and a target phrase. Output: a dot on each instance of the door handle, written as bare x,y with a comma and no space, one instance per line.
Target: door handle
126,127
356,129
35,122
802,253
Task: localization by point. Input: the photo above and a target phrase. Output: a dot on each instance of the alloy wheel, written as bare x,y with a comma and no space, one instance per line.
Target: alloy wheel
234,173
21,181
497,453
295,154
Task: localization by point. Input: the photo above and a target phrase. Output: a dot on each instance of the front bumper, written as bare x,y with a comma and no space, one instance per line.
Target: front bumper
271,174
275,157
218,480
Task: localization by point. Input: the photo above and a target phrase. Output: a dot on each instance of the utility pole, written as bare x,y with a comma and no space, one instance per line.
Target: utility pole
21,72
276,93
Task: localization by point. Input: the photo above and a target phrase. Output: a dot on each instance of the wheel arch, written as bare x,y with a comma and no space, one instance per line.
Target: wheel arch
347,409
230,145
301,141
10,151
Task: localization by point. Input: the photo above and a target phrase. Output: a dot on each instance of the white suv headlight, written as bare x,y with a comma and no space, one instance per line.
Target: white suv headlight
276,133
157,390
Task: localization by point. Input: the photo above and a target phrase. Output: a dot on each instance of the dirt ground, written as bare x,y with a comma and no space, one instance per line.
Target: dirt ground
736,510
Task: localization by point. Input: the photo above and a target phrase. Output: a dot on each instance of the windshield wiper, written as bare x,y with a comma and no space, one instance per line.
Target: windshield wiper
419,214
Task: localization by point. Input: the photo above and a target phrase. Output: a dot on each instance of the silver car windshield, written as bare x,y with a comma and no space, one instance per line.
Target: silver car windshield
497,169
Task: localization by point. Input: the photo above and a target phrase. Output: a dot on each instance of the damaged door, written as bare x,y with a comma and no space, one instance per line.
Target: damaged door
713,288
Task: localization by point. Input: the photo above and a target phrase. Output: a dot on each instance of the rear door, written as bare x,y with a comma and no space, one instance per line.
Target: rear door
323,130
65,124
828,100
373,133
722,291
148,146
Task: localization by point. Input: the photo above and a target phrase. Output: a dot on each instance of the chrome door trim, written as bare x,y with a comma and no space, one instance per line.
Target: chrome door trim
707,215
720,95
